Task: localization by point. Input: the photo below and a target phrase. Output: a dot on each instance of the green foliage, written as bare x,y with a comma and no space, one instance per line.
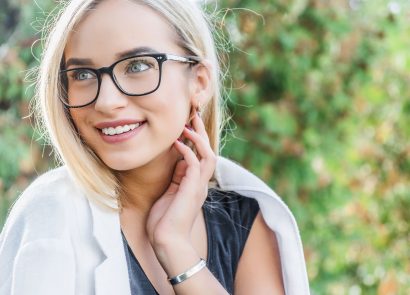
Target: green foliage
320,105
22,155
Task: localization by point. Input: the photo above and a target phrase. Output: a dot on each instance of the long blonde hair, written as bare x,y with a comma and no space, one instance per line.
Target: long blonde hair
88,171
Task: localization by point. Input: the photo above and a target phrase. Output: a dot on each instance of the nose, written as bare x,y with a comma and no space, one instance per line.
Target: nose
110,97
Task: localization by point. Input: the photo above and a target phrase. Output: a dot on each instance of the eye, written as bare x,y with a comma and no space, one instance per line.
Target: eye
82,75
137,66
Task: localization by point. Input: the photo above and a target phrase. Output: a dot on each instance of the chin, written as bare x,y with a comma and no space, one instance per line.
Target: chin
124,164
127,161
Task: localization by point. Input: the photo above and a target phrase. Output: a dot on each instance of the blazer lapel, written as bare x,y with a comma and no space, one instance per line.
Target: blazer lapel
111,276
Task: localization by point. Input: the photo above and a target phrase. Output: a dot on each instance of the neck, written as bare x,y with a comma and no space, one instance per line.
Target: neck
143,186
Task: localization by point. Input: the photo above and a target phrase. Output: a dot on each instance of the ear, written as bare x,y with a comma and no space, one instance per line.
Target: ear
201,86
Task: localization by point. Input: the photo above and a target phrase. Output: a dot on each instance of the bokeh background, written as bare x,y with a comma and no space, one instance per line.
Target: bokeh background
319,96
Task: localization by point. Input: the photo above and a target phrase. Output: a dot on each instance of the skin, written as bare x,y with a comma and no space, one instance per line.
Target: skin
162,176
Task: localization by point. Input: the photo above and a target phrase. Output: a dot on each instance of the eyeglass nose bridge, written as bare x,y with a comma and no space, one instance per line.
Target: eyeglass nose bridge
110,72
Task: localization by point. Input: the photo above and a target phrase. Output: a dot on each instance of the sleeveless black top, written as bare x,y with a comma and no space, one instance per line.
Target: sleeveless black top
228,218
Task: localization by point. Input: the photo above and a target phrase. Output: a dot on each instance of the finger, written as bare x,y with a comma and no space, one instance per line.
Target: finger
193,177
179,171
189,182
199,127
207,156
201,145
201,130
192,162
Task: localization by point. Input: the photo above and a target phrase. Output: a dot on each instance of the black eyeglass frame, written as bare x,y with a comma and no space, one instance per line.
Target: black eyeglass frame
160,58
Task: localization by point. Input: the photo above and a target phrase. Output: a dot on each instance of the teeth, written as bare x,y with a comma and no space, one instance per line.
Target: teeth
119,129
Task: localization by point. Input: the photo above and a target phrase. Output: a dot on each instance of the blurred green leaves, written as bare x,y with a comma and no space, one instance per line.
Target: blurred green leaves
320,102
22,154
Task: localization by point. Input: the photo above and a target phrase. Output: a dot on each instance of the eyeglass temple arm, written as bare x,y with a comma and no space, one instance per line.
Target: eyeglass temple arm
188,59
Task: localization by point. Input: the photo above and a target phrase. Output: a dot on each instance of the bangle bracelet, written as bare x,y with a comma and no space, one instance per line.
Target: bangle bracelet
187,274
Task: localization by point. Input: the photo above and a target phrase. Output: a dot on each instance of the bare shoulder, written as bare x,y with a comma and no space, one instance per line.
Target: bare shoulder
259,269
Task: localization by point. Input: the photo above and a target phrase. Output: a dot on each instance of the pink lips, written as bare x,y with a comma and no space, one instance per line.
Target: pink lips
120,137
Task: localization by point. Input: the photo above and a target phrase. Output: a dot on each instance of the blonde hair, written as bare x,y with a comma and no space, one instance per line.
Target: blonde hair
88,171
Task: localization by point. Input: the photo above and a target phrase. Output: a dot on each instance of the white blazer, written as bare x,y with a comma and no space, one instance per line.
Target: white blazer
56,241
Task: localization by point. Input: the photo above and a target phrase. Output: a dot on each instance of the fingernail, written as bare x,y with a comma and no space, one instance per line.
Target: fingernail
189,127
179,139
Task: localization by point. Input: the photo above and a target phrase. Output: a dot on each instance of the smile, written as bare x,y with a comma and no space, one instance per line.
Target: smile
120,129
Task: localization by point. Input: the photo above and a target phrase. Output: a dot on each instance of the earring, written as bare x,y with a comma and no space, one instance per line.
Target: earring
199,109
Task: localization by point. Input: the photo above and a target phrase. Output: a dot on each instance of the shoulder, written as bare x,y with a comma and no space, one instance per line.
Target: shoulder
275,218
260,250
236,207
238,215
230,176
229,198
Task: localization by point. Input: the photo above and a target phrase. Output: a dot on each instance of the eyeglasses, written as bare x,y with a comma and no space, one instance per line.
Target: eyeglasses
134,76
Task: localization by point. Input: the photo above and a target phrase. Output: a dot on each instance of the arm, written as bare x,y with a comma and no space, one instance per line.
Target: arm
171,219
176,259
261,255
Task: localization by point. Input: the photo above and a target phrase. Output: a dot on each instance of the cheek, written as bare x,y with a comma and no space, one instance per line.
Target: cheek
170,115
79,119
76,117
170,103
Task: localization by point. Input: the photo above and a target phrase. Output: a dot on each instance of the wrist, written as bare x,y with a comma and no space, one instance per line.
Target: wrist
176,257
174,249
168,245
188,273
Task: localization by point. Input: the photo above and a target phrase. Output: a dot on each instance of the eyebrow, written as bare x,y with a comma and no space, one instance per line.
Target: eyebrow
87,61
135,51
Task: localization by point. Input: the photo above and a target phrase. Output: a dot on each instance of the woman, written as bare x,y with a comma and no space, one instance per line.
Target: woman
129,93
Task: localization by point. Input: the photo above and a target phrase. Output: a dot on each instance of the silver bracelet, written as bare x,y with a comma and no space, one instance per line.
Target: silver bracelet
187,274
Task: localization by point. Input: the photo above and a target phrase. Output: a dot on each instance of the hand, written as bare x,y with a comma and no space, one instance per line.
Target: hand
171,218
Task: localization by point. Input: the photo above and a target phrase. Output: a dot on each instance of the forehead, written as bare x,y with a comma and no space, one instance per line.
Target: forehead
115,26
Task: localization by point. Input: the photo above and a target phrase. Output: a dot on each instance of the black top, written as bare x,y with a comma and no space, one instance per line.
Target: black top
228,218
